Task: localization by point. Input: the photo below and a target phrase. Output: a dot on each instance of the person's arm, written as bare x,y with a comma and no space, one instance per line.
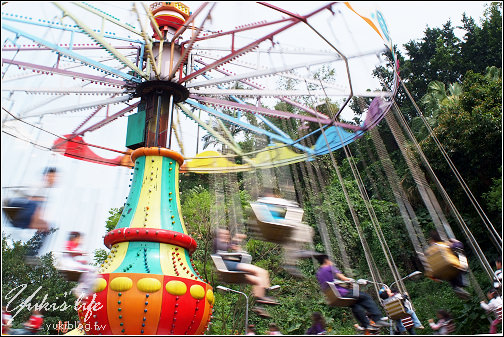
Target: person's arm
435,326
342,277
485,306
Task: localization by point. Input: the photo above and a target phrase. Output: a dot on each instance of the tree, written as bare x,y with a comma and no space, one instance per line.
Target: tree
487,38
436,57
434,101
470,131
43,281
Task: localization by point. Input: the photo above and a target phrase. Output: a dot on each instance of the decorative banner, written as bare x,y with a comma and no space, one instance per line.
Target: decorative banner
377,22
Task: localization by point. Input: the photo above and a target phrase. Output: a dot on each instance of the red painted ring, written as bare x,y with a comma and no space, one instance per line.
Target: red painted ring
152,235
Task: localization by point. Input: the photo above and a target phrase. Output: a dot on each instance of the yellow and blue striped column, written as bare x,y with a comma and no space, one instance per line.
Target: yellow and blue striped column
148,284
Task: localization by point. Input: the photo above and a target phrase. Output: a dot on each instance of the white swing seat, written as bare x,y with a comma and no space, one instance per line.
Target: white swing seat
270,228
11,212
69,273
394,306
229,276
334,298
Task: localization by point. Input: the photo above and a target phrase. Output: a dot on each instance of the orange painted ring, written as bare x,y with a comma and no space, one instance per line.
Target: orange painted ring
157,151
169,8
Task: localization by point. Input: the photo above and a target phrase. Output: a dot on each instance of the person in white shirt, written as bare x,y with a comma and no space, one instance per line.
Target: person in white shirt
494,305
444,325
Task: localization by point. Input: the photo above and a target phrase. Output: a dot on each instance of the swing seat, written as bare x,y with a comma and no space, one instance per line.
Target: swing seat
271,229
19,211
11,212
69,274
229,276
334,298
444,263
498,313
394,306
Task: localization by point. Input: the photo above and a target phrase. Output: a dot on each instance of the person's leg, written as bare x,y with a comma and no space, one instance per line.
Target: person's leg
262,274
458,281
414,318
16,332
37,222
257,289
458,284
258,277
400,326
360,315
370,306
412,331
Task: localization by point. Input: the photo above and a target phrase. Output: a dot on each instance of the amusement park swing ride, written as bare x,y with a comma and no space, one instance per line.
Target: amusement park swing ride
154,63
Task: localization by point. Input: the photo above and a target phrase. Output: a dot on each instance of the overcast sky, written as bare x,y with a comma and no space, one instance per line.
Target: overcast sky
87,199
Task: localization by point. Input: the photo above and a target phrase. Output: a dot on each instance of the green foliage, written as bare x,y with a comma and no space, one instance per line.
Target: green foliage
470,130
113,219
99,256
493,197
43,282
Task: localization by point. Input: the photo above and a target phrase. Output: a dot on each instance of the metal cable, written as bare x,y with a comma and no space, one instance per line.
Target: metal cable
472,241
495,235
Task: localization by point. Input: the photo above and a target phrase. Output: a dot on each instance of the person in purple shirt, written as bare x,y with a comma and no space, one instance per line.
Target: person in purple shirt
318,325
364,307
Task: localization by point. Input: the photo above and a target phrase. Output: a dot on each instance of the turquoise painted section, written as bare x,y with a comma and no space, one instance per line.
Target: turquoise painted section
141,257
134,194
169,208
337,137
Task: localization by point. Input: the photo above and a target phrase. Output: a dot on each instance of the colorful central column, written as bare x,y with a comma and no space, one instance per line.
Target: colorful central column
148,283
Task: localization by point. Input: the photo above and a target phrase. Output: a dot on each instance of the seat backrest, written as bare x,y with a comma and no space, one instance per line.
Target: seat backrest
407,322
444,264
294,214
218,262
394,306
262,212
226,275
11,212
450,327
334,298
498,312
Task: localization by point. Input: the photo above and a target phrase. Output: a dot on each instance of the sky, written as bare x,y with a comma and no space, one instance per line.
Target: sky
86,192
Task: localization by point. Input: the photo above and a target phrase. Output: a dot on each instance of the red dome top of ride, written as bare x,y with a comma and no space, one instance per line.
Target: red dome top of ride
169,14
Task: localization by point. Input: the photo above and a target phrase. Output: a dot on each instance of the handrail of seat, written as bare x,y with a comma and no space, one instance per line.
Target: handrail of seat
393,298
355,288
